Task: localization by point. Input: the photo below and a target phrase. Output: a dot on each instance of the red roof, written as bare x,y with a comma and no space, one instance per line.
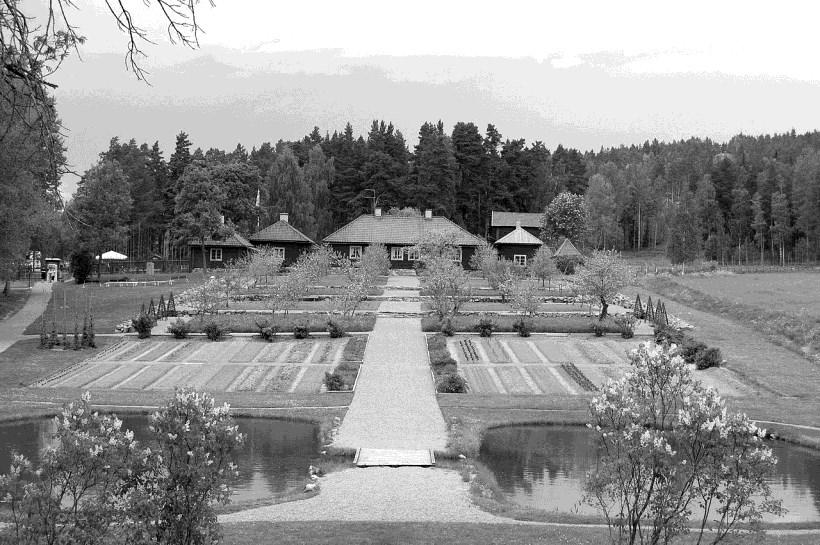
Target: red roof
368,229
281,231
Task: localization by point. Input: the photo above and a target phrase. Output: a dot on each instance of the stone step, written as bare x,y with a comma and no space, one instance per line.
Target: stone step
369,457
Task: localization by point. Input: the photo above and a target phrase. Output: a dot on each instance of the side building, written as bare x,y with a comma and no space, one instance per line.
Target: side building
219,251
518,246
287,241
399,234
504,223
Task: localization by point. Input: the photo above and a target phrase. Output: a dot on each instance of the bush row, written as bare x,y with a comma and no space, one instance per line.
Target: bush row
343,376
445,368
250,323
537,324
692,350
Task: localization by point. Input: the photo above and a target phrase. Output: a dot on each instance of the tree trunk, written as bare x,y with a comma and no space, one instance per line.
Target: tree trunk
604,306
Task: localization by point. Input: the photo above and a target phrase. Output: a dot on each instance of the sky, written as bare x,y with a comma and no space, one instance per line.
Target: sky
584,74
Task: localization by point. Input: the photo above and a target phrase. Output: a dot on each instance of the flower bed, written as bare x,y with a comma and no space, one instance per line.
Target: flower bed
494,351
122,373
311,381
552,350
300,351
147,377
579,378
513,381
84,375
591,353
179,375
354,349
248,352
280,379
560,323
205,374
468,349
523,352
248,382
224,377
546,381
139,347
325,353
159,350
180,354
317,322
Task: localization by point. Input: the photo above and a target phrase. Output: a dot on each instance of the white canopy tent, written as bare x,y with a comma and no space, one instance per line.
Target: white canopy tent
111,255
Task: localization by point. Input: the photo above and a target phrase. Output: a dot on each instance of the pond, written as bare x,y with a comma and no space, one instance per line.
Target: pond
544,467
275,459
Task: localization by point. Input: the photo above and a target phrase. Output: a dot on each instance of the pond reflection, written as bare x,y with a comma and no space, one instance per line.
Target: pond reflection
544,467
275,459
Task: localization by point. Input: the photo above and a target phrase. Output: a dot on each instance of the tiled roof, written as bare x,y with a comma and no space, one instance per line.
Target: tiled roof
367,229
519,236
566,249
236,241
508,219
281,231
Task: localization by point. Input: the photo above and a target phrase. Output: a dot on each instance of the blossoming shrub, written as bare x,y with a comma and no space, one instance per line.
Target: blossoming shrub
98,485
668,448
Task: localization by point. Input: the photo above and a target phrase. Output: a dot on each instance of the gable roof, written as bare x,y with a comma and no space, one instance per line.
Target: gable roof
368,229
281,231
519,236
233,241
509,219
567,249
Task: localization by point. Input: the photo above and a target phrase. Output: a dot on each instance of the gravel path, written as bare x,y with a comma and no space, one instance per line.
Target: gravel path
11,329
408,307
380,494
395,403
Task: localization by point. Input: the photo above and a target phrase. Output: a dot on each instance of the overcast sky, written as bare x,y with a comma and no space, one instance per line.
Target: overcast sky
585,74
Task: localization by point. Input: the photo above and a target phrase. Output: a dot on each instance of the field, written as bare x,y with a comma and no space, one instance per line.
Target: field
556,365
792,293
249,365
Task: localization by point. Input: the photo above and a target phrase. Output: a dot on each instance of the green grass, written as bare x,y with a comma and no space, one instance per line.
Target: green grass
799,332
315,306
39,363
426,533
14,301
111,306
507,307
247,323
562,323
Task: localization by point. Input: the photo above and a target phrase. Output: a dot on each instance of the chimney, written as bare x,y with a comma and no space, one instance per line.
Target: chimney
283,216
428,214
377,212
518,224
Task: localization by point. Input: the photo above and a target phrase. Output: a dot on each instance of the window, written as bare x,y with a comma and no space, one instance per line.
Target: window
279,253
457,254
216,254
519,259
396,253
412,254
355,252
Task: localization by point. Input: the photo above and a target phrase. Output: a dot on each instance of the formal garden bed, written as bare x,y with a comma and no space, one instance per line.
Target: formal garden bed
559,323
250,323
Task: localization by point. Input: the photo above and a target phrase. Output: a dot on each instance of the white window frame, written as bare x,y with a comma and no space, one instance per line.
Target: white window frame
520,259
279,252
354,253
412,254
457,254
215,254
396,253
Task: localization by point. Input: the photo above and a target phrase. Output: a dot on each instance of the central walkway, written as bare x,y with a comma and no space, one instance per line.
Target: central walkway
11,329
395,405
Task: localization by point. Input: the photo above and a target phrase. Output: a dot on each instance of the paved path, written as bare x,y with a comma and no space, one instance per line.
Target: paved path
395,403
11,329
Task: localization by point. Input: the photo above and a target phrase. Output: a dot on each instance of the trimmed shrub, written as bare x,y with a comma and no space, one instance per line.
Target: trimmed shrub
214,331
447,327
179,329
637,308
523,327
301,330
335,329
598,328
567,264
142,325
82,265
451,383
669,335
485,327
691,350
334,381
627,324
710,357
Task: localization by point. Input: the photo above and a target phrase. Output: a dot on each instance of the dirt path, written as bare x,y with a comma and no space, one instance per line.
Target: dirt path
11,329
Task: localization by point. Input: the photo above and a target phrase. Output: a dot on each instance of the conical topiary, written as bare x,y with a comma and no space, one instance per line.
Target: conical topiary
658,314
75,345
649,314
43,334
161,307
152,310
637,309
84,339
92,343
171,310
53,339
64,340
665,316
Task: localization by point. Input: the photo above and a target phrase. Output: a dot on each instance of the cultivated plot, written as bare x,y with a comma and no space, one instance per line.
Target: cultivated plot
555,365
252,365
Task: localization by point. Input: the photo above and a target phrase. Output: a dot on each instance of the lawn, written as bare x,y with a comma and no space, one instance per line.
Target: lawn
39,363
14,301
795,293
110,306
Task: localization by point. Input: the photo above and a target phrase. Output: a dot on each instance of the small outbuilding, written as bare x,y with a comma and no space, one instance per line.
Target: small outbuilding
219,252
287,241
504,223
518,246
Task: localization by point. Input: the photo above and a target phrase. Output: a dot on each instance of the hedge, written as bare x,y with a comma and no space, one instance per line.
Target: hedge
247,323
539,324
